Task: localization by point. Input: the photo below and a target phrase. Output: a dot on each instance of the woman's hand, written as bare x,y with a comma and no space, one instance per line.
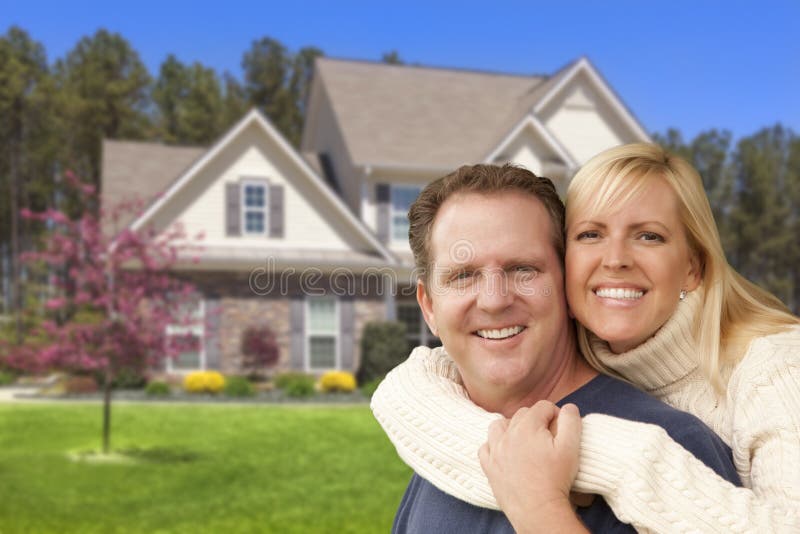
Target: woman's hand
531,462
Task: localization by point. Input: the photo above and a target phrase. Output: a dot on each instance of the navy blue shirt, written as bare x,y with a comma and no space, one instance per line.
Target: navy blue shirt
426,509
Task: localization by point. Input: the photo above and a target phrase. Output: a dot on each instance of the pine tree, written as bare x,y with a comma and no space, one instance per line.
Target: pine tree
105,87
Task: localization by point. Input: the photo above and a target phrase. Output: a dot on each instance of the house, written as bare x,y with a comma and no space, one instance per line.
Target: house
313,242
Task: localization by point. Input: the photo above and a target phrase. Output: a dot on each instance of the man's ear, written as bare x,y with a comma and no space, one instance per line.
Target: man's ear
426,305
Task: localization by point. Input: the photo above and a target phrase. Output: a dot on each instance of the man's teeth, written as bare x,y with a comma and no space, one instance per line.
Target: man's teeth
619,293
501,333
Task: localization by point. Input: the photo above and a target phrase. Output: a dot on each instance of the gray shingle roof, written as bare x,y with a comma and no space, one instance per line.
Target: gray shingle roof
427,117
140,171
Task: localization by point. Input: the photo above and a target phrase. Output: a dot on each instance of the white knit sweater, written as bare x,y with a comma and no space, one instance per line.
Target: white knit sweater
648,480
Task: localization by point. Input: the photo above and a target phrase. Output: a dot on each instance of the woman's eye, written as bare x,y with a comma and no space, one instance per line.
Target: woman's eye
650,236
588,234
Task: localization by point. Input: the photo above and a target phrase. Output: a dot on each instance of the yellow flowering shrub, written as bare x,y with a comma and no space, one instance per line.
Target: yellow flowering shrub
337,381
204,382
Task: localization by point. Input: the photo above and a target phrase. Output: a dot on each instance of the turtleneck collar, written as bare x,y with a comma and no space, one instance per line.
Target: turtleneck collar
665,358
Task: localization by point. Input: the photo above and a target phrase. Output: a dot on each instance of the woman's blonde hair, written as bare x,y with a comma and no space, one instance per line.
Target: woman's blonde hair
734,310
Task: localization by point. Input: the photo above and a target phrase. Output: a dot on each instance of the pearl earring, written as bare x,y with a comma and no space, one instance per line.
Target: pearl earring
682,296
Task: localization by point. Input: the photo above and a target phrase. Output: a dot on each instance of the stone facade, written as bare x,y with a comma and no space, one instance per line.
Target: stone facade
236,307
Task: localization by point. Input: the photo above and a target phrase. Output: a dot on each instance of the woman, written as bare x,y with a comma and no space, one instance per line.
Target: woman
707,341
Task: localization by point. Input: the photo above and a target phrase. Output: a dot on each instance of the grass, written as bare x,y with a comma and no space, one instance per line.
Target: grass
206,468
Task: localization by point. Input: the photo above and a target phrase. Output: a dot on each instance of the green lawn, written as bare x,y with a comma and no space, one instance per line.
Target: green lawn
204,468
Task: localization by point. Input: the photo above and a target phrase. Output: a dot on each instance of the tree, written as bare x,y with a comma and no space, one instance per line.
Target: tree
392,58
277,83
105,89
123,283
260,349
234,100
765,251
190,102
27,148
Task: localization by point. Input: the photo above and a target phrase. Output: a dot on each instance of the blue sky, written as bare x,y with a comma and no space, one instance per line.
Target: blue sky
693,65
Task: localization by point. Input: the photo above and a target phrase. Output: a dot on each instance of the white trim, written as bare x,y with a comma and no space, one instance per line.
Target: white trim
255,116
541,130
197,328
392,212
258,182
584,65
308,334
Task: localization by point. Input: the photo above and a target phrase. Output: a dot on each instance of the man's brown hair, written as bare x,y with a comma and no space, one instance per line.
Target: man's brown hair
486,179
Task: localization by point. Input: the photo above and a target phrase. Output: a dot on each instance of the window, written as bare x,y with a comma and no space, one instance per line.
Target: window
254,208
402,198
322,333
192,358
417,331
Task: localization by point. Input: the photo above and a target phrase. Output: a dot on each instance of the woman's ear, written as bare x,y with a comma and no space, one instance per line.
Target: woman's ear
695,274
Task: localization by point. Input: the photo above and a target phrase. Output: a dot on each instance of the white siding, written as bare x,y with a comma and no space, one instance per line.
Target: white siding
582,121
200,205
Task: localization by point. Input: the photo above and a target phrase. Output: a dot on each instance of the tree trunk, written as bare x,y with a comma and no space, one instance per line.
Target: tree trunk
16,286
107,412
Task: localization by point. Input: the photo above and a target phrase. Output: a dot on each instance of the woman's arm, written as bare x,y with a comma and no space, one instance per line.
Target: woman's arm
649,480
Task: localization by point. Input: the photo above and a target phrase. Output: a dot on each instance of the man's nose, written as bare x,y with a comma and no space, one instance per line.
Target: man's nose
495,293
617,254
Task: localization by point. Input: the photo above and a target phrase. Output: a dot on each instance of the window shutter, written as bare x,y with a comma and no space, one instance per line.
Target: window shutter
382,198
347,333
233,216
297,339
276,211
211,341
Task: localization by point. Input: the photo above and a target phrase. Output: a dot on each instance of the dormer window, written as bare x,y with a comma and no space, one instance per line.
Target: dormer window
254,207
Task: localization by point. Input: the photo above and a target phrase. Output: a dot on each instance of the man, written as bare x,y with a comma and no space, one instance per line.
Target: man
489,244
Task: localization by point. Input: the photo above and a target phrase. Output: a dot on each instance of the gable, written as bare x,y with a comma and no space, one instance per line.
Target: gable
585,116
314,219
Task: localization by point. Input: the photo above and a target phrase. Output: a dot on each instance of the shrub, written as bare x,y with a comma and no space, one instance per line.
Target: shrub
156,388
337,381
383,347
204,382
6,378
295,384
369,388
260,349
238,386
80,384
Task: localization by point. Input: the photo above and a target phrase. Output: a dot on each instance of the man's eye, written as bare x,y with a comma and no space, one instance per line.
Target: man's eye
525,269
462,275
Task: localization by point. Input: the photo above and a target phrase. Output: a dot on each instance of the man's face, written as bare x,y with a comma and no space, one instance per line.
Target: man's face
495,292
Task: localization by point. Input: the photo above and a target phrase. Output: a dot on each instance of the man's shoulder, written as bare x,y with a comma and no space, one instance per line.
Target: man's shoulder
611,396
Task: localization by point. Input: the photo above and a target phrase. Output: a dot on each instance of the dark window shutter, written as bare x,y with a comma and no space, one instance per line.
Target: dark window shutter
382,198
297,340
233,216
347,333
211,342
276,211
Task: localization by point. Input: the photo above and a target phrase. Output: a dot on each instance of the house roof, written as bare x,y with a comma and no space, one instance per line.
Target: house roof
136,170
393,115
163,183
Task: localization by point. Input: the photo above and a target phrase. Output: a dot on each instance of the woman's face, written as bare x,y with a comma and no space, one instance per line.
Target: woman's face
625,269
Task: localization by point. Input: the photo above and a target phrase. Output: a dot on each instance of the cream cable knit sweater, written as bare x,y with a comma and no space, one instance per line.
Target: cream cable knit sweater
648,480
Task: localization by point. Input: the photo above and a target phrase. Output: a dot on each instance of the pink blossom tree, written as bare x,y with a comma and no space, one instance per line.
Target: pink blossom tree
124,280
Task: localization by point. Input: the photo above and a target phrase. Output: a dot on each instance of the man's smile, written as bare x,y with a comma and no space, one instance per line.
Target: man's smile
500,333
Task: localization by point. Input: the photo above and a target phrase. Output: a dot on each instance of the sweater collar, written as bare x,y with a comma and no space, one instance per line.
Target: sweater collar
665,358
